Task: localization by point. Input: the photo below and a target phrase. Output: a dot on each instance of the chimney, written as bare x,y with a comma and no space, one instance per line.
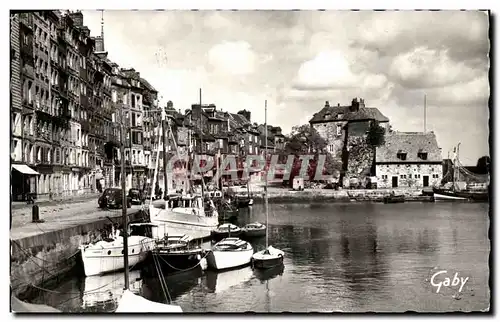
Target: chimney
77,18
99,44
327,104
338,104
361,103
170,105
354,105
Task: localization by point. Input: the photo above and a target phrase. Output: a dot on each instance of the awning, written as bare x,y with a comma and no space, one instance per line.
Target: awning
25,169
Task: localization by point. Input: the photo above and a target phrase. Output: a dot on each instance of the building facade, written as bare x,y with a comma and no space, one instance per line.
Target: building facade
409,160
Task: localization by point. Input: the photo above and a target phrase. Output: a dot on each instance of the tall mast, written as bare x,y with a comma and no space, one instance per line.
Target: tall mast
202,149
265,187
124,202
164,130
425,113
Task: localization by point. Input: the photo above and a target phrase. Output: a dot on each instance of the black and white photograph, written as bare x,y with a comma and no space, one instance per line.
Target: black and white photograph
235,161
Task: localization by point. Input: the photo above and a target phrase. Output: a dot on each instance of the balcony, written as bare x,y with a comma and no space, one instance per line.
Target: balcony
26,20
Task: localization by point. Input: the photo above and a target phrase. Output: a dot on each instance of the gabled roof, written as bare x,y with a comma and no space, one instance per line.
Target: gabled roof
411,143
147,85
343,113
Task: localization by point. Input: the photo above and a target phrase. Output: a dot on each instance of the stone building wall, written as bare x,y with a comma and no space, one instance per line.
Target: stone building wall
335,142
409,175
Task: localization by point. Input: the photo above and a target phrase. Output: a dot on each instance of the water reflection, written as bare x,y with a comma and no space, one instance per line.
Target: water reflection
217,282
264,275
350,257
102,293
178,284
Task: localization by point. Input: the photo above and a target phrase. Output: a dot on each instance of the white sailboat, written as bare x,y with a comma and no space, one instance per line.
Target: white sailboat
106,256
270,256
181,213
230,253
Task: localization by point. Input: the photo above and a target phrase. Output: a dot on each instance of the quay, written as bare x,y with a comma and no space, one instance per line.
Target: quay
279,195
41,252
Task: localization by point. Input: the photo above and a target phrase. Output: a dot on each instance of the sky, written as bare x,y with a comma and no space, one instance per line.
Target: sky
297,60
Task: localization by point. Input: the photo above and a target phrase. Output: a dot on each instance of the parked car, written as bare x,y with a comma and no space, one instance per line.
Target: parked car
136,196
112,198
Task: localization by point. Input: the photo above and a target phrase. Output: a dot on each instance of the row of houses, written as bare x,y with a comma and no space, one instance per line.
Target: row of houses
406,159
68,101
64,96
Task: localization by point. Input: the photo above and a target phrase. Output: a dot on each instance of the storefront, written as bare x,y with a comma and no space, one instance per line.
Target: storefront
23,182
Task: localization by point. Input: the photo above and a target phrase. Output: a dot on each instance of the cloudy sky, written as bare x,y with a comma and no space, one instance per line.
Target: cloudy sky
297,60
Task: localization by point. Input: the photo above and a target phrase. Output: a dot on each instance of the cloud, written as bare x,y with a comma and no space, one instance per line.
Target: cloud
425,68
464,33
236,58
329,69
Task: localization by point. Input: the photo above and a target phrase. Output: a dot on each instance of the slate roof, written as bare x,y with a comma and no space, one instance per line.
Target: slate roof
411,143
331,113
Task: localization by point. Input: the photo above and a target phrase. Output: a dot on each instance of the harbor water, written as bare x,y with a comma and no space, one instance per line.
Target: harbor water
352,257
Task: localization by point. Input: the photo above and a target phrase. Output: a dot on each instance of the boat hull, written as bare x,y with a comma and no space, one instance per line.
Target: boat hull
441,194
397,199
268,262
177,261
254,232
109,258
221,260
173,223
219,235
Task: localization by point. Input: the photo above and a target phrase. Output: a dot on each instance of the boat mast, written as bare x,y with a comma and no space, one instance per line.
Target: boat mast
202,149
265,164
164,130
425,114
124,201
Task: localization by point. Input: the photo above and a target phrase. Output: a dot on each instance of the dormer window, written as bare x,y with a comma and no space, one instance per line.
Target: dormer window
422,155
401,155
340,116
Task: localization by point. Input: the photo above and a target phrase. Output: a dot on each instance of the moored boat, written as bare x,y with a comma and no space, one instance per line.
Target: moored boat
444,194
268,258
106,256
230,253
255,229
394,199
226,230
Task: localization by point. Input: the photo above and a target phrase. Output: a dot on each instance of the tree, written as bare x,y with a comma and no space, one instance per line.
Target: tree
483,165
305,140
376,135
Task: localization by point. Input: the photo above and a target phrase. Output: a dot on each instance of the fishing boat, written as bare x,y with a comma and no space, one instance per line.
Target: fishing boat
181,213
226,230
465,186
270,256
106,256
173,254
255,229
230,253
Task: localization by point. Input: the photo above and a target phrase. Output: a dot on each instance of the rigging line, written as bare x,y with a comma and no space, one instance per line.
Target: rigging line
179,269
162,282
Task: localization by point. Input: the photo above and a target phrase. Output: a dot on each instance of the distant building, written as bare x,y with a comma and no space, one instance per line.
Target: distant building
331,122
409,160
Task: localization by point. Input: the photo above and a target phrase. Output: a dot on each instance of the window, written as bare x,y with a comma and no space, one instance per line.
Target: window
403,176
384,177
409,176
401,156
435,176
417,176
422,155
133,100
340,116
339,129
